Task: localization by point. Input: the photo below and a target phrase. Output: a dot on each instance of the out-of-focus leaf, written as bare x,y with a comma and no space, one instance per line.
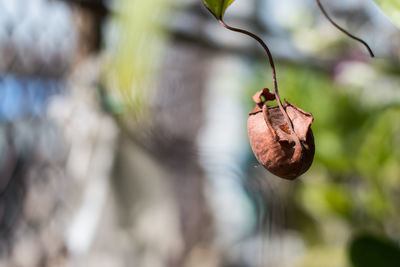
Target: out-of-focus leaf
391,8
318,255
326,199
378,155
132,68
217,7
338,199
369,251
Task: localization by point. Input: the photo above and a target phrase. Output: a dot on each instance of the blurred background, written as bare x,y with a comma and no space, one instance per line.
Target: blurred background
123,136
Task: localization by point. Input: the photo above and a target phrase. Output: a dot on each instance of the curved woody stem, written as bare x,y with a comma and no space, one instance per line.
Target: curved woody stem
271,62
343,30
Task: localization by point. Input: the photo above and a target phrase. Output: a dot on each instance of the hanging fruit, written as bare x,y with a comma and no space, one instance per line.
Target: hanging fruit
280,136
285,150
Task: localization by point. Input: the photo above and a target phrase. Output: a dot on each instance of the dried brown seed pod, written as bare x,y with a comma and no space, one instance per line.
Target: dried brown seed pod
285,150
281,137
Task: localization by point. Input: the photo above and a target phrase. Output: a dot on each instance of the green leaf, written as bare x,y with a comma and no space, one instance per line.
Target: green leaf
217,7
391,8
367,250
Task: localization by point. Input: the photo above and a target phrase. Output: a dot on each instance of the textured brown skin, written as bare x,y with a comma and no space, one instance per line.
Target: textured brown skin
282,152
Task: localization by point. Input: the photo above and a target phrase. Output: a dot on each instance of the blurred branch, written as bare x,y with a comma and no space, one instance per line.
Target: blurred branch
96,6
201,40
196,36
91,33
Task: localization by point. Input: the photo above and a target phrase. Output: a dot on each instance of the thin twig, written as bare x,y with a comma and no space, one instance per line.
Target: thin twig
343,30
271,62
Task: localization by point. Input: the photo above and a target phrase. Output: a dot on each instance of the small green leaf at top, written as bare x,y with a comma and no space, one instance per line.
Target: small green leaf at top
217,7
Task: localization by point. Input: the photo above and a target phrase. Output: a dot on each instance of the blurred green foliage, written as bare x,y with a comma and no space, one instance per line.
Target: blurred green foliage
135,48
371,251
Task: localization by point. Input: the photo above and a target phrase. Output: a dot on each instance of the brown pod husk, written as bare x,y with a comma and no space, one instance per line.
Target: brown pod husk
281,151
